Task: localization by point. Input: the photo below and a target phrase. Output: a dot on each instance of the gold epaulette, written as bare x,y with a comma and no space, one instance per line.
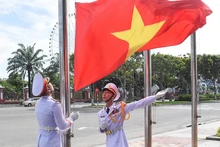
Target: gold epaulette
123,117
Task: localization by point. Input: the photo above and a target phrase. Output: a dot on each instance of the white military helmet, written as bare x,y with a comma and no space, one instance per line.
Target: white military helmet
39,85
113,88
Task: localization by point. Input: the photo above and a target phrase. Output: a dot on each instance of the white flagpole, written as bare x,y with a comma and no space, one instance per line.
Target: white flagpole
194,91
147,110
64,64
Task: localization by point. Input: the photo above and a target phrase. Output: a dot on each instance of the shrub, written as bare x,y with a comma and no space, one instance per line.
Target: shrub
218,96
206,97
218,132
184,97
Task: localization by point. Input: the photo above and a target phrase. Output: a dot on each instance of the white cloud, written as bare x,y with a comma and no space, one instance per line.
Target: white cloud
40,24
207,37
8,6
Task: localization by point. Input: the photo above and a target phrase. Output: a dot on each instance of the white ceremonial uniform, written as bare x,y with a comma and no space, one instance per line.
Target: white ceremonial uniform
117,138
49,115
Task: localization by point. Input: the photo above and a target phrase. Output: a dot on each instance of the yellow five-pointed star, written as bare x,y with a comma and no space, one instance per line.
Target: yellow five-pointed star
139,34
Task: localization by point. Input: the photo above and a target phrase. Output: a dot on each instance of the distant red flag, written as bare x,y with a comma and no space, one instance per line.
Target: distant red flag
108,32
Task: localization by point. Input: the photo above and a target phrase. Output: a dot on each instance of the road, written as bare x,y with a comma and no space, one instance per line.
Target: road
18,125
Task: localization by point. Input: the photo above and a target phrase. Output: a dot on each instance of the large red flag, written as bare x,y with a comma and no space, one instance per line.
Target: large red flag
108,32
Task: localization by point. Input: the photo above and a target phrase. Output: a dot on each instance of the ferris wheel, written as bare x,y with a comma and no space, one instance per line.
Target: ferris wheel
54,37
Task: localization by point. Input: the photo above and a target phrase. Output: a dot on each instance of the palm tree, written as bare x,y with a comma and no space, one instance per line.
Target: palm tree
26,60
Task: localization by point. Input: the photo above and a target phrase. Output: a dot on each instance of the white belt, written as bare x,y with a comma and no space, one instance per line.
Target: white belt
48,128
109,132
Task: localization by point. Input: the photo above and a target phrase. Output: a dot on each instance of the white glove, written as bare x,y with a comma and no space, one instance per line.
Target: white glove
74,116
63,132
161,93
104,125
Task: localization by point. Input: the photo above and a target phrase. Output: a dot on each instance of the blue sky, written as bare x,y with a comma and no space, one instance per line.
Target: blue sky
31,21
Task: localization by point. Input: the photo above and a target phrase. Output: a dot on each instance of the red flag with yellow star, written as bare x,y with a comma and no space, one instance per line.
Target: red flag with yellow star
108,32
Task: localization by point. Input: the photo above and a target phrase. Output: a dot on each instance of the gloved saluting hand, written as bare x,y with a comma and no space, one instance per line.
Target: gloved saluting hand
161,93
74,116
103,123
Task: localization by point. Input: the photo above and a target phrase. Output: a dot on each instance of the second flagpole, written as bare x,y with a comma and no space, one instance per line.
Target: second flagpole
147,110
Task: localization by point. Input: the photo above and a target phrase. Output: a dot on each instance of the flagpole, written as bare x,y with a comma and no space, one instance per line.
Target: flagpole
194,91
147,110
64,64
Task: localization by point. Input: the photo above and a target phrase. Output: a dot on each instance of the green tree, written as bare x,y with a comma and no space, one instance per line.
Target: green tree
127,76
26,59
13,87
184,75
164,70
53,70
167,71
209,68
71,66
171,71
8,89
17,82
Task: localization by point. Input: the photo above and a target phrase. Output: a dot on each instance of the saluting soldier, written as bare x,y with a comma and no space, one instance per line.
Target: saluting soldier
49,114
112,116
